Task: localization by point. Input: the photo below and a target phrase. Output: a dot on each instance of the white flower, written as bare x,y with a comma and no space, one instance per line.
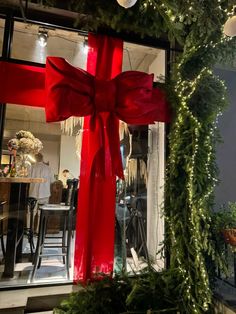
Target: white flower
25,142
24,134
37,145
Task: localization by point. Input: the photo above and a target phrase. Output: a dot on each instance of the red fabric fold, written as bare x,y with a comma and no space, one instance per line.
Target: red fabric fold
130,95
22,84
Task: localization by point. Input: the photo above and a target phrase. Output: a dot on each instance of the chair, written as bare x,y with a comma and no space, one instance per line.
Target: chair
66,212
2,217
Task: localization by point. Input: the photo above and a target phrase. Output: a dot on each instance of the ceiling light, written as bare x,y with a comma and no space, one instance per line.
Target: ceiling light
230,25
42,37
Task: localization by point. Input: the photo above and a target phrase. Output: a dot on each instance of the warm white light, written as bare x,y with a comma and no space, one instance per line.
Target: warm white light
42,38
230,26
126,3
85,46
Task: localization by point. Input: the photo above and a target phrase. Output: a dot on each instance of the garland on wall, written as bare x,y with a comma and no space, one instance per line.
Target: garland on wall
200,98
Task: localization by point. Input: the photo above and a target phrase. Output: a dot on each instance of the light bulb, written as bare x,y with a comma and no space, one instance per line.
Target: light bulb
126,3
230,26
42,38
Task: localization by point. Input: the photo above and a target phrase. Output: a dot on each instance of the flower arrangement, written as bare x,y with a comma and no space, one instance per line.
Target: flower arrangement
24,142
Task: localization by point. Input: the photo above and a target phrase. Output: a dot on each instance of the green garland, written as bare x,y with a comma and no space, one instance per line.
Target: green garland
200,98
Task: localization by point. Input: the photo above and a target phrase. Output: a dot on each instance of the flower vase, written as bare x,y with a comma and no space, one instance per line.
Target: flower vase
23,166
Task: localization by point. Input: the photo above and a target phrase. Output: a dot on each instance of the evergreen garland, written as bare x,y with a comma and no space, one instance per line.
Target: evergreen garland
200,98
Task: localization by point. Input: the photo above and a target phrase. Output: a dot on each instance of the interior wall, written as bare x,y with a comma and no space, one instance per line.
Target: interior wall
51,151
156,168
68,158
37,128
158,65
226,151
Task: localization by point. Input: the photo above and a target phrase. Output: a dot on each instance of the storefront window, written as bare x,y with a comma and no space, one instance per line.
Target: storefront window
139,226
139,222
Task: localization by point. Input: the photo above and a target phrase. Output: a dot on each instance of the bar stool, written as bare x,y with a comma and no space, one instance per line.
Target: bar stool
29,231
2,217
66,212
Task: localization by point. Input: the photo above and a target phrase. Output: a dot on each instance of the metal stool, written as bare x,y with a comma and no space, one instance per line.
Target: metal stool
66,212
31,203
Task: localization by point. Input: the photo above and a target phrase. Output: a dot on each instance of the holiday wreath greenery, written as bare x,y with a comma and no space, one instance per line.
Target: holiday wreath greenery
200,97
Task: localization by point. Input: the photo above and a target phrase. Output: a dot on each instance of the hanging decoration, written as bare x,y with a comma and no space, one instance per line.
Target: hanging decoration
126,3
133,175
69,125
230,25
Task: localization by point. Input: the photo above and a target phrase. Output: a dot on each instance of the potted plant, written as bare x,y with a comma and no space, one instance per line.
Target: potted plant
224,222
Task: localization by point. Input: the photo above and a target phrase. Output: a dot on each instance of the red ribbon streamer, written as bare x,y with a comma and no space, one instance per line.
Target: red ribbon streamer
94,248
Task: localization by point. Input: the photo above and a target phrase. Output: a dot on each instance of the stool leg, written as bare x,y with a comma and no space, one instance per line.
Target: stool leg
44,229
38,247
69,235
31,231
64,240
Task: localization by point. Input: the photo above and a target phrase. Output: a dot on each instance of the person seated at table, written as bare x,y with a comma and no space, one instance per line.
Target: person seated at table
40,191
65,176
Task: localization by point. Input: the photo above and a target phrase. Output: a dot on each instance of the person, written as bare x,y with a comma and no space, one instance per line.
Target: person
40,191
65,176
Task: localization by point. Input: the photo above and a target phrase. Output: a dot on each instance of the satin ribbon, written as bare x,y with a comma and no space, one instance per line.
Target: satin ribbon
129,97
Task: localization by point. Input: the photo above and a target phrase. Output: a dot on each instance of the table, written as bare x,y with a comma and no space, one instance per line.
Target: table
16,216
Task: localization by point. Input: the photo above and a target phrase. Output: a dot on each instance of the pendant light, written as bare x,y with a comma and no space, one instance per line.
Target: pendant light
126,3
230,25
42,37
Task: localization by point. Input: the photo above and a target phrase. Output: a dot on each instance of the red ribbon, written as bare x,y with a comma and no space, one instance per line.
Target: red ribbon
129,97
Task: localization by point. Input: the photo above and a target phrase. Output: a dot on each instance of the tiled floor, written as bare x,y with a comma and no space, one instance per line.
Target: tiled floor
52,269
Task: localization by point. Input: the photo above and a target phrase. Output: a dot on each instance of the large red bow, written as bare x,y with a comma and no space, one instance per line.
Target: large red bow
130,97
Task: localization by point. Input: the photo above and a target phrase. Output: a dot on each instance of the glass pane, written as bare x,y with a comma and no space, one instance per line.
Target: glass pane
21,211
139,226
2,24
26,44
